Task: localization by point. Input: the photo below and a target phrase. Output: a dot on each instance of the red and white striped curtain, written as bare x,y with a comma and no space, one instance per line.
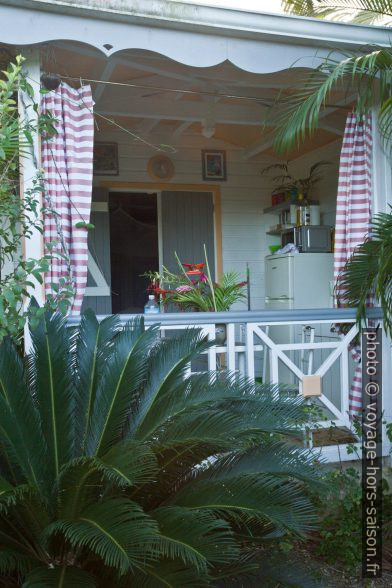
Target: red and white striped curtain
67,160
353,216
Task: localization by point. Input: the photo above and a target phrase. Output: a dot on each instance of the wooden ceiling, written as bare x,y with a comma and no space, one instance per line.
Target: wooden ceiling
178,100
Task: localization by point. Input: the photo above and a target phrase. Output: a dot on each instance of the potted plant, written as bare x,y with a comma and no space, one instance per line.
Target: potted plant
193,290
286,182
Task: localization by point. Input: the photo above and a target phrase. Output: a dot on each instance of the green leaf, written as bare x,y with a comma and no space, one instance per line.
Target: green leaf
13,561
252,499
197,538
94,346
358,11
117,530
130,463
84,225
369,272
52,376
166,370
59,577
19,419
125,371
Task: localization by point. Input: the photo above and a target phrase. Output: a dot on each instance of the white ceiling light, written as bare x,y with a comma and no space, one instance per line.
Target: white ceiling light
208,128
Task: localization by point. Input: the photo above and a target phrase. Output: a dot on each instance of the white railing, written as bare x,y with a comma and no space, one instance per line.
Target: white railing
281,347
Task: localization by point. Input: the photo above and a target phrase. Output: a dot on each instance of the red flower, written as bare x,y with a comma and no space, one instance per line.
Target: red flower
194,265
195,272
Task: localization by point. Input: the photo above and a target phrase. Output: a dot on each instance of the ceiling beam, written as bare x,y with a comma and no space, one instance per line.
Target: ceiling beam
259,147
180,128
183,110
326,126
146,126
105,76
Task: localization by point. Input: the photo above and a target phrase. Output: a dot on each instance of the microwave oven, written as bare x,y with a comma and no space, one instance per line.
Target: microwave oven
309,238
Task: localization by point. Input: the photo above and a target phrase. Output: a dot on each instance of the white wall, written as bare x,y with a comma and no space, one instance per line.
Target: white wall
244,195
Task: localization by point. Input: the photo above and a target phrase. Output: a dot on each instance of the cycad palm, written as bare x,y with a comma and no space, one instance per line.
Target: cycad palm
366,74
120,469
369,272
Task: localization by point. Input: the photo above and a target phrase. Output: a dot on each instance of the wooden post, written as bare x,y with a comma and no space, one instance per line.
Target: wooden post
30,164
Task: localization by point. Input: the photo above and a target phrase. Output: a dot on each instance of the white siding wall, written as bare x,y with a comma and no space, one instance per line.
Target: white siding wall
244,195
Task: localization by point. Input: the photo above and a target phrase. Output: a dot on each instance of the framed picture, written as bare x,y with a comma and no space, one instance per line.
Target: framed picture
105,159
214,165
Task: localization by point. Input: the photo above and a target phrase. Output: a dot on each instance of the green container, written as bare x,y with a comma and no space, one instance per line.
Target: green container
273,248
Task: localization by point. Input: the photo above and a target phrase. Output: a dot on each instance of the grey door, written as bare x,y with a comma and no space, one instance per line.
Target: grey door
98,295
187,224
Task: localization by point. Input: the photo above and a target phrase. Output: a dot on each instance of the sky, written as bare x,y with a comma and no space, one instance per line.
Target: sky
255,5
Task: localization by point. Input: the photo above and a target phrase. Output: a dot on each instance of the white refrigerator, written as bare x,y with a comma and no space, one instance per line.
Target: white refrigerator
298,280
295,281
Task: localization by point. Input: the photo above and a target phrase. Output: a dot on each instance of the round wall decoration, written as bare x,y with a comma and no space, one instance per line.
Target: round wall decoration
160,167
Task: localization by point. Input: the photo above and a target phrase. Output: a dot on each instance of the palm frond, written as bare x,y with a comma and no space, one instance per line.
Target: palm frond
385,124
369,272
298,116
276,166
165,574
251,499
79,484
166,368
201,424
19,421
126,464
125,371
178,462
276,457
199,539
116,530
130,463
11,495
51,384
316,167
64,576
359,11
94,345
270,571
230,290
14,561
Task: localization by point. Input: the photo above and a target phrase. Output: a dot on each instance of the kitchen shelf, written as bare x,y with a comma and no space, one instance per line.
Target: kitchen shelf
274,233
278,232
278,208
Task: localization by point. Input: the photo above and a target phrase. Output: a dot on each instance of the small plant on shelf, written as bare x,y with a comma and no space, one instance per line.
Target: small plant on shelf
285,182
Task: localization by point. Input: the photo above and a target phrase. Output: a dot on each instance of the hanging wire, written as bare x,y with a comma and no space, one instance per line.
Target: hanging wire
175,90
268,103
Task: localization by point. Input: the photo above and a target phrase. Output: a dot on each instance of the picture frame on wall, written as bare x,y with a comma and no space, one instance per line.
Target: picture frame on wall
105,159
214,165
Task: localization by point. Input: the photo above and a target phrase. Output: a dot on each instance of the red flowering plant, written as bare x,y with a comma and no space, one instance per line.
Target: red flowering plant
192,289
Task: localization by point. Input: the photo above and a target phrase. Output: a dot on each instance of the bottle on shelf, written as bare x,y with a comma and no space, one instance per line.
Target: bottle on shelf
151,306
303,211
